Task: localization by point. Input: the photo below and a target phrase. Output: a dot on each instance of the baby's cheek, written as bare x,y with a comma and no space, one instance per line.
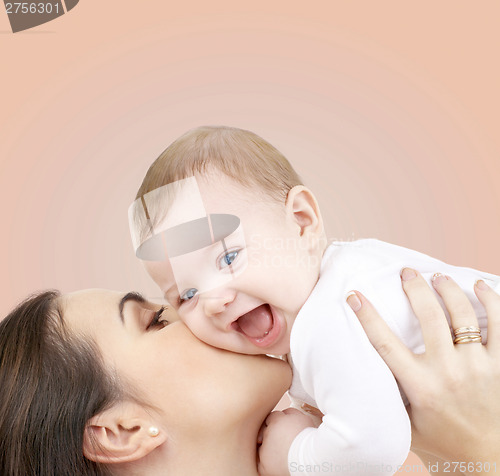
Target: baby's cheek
199,326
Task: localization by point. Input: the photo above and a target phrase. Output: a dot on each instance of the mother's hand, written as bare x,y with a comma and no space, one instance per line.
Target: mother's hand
454,390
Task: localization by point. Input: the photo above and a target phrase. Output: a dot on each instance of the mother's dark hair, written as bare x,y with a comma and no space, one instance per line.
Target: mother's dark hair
51,384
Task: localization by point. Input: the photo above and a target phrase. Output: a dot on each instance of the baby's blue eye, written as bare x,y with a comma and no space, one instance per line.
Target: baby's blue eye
189,294
228,259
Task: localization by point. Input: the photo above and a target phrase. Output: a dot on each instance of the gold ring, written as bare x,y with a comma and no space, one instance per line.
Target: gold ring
467,335
467,330
467,339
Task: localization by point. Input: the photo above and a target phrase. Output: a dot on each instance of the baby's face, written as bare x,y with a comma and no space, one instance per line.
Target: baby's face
244,294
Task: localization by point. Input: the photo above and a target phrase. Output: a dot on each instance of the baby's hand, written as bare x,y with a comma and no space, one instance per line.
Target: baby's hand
277,434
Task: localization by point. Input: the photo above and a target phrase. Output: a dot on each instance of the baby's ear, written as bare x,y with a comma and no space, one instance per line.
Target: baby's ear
302,207
121,434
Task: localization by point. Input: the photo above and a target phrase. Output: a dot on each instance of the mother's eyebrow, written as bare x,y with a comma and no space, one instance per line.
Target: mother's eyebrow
131,296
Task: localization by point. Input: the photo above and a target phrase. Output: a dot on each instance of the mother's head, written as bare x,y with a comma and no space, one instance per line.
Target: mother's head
95,382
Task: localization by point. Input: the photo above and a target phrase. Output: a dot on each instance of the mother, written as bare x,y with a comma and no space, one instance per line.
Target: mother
97,382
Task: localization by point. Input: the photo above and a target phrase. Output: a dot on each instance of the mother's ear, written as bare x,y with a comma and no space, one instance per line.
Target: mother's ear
123,433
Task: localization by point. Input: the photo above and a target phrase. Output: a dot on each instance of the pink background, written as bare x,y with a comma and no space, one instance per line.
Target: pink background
388,109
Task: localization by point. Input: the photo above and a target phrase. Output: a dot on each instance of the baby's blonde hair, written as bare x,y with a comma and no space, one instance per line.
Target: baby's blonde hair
239,154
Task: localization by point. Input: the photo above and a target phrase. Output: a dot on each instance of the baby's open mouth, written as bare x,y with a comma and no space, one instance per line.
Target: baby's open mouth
256,324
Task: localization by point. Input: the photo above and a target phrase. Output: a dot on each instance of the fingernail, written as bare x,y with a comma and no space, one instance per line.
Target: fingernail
438,278
407,274
482,285
353,301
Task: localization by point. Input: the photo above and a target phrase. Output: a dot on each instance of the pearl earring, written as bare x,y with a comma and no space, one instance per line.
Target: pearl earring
153,431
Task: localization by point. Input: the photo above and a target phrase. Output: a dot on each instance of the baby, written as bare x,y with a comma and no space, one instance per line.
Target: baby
236,243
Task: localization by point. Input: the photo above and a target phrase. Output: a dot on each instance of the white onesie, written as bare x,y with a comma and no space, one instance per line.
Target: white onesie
365,429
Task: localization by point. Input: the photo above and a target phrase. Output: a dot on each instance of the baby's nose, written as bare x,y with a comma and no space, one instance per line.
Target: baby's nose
217,301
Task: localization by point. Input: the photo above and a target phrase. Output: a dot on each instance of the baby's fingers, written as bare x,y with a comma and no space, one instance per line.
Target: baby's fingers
398,358
292,411
273,417
491,302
